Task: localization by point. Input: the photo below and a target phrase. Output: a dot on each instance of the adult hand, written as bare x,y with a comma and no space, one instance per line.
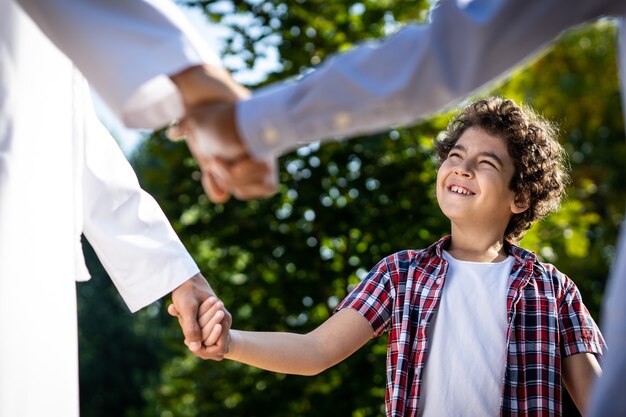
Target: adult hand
245,179
210,95
227,168
207,83
187,299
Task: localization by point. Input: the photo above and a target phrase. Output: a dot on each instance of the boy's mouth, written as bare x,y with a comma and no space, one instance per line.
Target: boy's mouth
457,189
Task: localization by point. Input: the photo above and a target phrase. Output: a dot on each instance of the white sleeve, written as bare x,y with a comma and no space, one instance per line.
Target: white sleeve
126,227
608,398
412,74
126,49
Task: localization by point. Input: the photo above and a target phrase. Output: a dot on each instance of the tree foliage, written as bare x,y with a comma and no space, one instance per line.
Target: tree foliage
285,262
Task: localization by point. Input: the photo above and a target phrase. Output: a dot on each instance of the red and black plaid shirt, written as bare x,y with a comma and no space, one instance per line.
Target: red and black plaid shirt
546,316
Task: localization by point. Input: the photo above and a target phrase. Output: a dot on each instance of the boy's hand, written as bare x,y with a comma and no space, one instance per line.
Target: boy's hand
188,299
210,316
214,321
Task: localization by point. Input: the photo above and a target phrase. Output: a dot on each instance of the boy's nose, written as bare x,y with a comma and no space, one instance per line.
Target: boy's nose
462,171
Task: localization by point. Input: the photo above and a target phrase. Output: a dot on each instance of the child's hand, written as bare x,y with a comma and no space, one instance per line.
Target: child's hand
210,316
214,322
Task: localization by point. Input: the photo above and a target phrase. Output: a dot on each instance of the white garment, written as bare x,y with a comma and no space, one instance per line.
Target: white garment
608,398
126,227
51,145
126,49
464,371
410,75
38,233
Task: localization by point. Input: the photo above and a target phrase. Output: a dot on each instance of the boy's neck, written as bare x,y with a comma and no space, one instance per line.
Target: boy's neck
477,247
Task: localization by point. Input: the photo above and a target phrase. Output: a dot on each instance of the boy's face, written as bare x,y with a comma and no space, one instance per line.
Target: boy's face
473,182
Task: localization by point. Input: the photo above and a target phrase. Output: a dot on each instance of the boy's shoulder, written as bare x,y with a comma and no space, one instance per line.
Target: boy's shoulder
530,258
544,273
407,257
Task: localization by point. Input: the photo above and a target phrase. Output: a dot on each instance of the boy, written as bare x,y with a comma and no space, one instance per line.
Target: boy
477,326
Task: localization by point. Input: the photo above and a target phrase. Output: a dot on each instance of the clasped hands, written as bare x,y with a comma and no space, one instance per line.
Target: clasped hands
210,130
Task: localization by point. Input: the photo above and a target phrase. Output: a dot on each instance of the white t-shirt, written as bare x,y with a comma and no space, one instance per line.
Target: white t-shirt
465,365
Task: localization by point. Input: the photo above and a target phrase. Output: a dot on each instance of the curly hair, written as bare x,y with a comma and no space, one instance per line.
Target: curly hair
541,173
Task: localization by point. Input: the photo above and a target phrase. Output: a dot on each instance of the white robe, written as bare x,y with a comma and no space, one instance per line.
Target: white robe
38,226
60,174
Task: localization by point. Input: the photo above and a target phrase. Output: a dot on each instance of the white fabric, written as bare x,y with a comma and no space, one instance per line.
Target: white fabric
622,60
51,145
38,338
126,227
124,48
411,74
472,314
608,399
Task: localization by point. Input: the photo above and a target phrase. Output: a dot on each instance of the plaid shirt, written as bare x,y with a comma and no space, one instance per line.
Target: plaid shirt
546,321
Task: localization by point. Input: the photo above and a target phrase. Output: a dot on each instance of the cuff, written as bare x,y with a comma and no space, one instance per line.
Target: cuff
264,125
162,282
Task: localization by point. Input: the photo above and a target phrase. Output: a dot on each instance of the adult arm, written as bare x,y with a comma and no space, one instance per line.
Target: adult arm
608,398
414,73
579,373
302,354
127,49
128,230
134,240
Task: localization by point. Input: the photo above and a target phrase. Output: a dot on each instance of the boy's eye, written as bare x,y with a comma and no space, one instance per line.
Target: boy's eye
488,163
454,154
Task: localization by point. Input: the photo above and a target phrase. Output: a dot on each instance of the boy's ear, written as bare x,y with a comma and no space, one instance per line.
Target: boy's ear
520,203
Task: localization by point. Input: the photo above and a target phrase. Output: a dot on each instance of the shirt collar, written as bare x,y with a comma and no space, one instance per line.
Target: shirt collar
520,254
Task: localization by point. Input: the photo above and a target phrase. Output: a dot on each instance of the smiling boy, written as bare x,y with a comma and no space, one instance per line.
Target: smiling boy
477,326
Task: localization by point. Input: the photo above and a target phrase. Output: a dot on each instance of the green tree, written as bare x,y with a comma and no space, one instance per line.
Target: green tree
576,85
119,353
285,262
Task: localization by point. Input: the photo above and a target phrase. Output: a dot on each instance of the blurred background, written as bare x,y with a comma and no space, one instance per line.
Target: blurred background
285,262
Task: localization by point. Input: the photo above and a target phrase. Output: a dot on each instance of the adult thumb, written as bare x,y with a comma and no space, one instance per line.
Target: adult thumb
171,309
189,323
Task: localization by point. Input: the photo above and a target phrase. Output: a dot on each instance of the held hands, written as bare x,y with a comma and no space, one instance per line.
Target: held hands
206,337
214,332
227,168
209,127
210,317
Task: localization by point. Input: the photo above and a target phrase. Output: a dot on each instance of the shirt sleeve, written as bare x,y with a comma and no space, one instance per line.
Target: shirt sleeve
579,332
126,227
126,49
608,398
416,72
373,298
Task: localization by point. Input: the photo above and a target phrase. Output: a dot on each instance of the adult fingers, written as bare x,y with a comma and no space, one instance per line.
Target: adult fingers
250,178
188,317
171,309
177,131
217,193
214,352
